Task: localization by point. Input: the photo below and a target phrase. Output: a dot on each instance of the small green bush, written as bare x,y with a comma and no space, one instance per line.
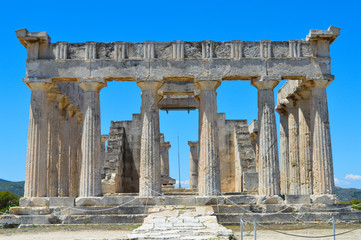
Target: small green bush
355,202
5,198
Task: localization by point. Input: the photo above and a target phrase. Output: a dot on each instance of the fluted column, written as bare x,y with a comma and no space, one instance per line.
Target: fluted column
64,131
53,145
36,158
104,138
73,152
150,168
209,183
323,178
90,173
193,180
294,158
269,177
305,144
164,158
79,116
284,181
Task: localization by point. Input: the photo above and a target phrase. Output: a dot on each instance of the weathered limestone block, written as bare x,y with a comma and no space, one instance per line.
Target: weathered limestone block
269,179
150,175
193,179
36,159
34,202
298,199
250,182
61,201
270,199
323,177
324,199
209,183
90,173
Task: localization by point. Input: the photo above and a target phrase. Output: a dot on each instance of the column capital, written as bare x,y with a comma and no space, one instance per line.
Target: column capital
104,138
166,144
145,85
193,143
266,82
282,109
207,84
39,85
92,84
318,83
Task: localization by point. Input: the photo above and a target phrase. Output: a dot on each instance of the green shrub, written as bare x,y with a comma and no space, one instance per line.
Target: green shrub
5,198
355,202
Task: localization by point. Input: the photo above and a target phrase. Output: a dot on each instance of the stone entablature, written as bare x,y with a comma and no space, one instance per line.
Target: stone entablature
230,60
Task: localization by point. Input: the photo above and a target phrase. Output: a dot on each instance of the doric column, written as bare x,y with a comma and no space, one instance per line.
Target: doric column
269,178
73,152
193,180
64,144
294,157
209,183
53,145
150,170
104,138
284,181
90,173
79,116
36,158
323,182
164,157
305,143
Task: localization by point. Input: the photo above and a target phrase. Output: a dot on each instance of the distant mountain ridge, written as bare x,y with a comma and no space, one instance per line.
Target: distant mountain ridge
14,187
344,194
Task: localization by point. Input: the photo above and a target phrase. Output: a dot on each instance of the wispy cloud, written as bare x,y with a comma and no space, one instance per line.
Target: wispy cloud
339,182
185,184
353,177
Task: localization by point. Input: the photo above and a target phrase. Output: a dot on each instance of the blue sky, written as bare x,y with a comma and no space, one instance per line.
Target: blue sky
137,21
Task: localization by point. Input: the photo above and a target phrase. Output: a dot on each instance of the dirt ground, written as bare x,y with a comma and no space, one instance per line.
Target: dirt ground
112,232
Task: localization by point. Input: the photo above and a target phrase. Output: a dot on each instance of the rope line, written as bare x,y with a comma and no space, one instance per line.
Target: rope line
304,236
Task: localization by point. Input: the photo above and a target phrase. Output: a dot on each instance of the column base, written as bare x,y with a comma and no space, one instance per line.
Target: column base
324,199
297,199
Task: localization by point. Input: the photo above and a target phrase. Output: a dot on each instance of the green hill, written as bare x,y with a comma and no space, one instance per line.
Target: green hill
15,187
347,194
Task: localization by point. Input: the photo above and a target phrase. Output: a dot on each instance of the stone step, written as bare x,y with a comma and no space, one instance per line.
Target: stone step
83,219
286,218
84,210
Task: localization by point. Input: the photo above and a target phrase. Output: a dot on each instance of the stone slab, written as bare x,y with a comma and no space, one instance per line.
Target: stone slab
297,199
34,202
61,201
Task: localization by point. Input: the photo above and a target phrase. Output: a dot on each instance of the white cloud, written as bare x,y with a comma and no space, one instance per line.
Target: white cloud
339,182
353,177
185,184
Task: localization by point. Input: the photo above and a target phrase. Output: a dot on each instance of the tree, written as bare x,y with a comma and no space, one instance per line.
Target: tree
5,198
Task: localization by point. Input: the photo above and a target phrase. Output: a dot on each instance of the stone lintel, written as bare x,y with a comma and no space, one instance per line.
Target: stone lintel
25,37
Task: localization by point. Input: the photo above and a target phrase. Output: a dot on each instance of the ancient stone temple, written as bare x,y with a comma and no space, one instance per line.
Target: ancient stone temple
67,159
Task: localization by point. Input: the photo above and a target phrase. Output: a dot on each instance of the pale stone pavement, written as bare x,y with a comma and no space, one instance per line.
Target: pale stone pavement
169,222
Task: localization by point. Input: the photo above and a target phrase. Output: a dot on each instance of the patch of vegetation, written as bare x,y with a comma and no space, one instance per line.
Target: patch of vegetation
355,202
15,187
5,198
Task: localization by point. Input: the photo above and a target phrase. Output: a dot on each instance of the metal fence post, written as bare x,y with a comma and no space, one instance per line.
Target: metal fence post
334,228
255,230
241,229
